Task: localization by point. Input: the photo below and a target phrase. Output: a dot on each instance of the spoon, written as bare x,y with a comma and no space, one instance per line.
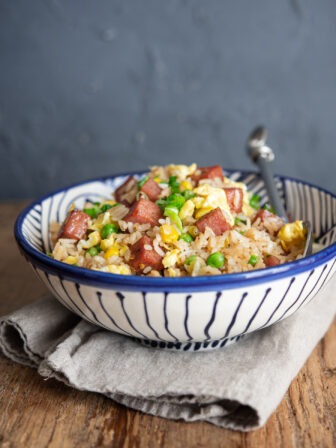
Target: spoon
263,156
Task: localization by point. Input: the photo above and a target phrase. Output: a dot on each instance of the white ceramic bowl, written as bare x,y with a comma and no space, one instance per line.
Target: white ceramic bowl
190,313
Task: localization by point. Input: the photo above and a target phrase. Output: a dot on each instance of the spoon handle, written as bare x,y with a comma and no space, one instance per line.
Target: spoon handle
263,156
273,194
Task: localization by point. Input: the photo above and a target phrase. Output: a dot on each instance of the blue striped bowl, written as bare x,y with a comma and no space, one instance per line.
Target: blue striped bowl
190,313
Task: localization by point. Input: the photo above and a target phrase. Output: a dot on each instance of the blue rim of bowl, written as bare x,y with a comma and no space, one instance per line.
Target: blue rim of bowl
167,284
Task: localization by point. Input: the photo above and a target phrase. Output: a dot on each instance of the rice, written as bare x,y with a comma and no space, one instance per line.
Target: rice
176,244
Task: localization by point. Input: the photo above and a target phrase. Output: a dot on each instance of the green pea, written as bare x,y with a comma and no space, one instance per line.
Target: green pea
190,259
142,182
253,260
186,237
254,201
93,251
108,229
216,260
93,212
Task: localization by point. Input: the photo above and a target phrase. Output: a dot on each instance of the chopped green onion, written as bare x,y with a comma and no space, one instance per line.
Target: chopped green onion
49,254
105,207
190,259
268,208
254,201
174,184
239,220
108,229
142,182
188,194
186,237
93,251
161,203
175,200
216,260
172,213
97,204
171,209
253,260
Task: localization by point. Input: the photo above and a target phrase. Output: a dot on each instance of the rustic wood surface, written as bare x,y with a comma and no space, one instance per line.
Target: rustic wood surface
37,413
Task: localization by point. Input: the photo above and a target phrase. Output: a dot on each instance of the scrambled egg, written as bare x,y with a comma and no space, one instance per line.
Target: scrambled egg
171,258
70,260
181,171
107,242
93,239
119,269
214,197
168,233
112,251
185,185
102,219
187,209
292,234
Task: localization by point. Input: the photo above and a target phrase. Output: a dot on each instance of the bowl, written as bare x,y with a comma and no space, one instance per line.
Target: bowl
189,313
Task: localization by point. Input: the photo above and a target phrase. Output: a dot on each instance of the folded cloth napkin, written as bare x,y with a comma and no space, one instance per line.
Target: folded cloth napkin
237,387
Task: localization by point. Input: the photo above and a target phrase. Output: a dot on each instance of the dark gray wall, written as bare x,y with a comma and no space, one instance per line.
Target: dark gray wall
90,88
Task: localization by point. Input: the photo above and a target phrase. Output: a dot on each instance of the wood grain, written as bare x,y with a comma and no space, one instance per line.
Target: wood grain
38,413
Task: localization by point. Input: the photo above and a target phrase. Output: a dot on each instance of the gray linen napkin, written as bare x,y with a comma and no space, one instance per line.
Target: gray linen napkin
237,387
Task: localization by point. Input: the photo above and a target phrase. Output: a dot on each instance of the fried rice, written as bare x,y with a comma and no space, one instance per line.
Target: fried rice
202,223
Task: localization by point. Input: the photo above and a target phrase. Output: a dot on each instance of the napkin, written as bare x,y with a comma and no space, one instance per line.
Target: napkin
236,387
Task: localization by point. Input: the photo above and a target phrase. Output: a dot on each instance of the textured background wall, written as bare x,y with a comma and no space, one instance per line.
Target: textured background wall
90,88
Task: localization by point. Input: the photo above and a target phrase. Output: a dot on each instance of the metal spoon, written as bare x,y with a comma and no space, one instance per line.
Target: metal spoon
263,156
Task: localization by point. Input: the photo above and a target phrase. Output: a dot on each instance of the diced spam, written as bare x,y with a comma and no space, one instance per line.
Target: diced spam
271,260
141,256
151,189
75,225
262,215
235,198
271,222
144,211
215,220
126,193
208,172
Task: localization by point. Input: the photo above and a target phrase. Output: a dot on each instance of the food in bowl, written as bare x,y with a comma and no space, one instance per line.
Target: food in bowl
188,313
177,221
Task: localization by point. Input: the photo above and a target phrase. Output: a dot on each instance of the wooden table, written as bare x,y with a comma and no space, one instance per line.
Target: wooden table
37,413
